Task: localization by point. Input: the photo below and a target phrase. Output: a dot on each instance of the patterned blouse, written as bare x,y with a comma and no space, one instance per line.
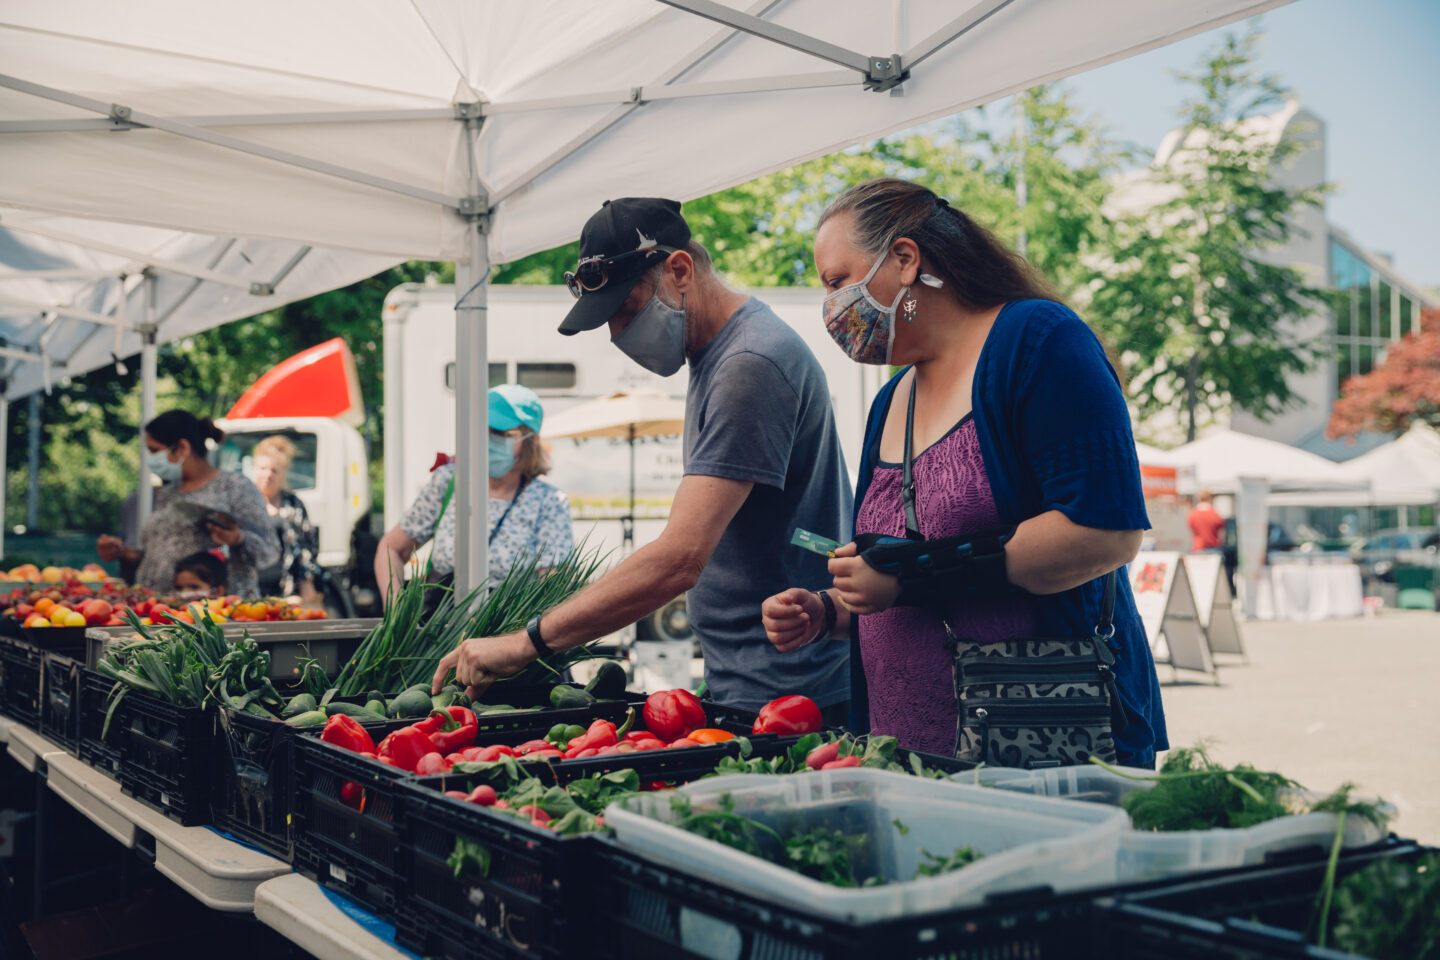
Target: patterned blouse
537,525
171,535
299,543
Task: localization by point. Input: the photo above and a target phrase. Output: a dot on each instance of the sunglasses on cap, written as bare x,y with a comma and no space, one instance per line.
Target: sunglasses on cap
593,273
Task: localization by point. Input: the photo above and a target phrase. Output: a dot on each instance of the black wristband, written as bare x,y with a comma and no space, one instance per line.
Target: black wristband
533,628
830,615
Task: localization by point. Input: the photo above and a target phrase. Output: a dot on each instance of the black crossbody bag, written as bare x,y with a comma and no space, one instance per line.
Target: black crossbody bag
1029,702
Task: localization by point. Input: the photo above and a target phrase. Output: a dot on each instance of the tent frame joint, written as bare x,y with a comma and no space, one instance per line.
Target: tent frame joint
469,111
885,73
120,114
262,288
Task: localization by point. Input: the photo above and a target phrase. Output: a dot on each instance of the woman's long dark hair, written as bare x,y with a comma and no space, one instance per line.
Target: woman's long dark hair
172,426
978,270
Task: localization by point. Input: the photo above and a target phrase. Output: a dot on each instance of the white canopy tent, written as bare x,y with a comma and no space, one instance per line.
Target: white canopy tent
484,132
1222,457
76,295
1402,473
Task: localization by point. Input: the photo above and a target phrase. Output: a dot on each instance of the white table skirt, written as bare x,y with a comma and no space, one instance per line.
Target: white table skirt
1305,592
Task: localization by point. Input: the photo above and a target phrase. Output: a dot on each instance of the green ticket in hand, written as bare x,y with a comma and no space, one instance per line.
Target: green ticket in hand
814,542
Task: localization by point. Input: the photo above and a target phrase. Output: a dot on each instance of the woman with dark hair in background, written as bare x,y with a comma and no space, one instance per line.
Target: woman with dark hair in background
1018,442
197,507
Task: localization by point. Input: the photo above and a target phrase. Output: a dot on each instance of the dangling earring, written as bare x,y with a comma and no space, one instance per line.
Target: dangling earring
909,306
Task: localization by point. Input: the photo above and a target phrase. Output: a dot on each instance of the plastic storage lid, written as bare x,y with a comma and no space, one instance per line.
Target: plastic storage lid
1025,841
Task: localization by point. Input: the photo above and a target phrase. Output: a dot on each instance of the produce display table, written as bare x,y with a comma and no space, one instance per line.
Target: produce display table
1306,592
29,748
5,729
298,910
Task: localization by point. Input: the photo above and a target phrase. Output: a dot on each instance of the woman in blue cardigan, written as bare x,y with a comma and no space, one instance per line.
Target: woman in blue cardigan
1019,425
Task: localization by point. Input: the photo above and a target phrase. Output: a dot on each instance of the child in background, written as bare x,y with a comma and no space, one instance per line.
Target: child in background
201,572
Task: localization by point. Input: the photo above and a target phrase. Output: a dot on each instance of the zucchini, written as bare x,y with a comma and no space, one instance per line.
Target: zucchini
564,697
301,703
375,695
412,703
356,711
608,683
310,718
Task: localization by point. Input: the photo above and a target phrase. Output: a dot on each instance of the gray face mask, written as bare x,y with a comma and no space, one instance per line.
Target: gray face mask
655,339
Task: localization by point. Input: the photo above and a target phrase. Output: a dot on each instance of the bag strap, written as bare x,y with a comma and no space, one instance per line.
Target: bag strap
1105,626
907,472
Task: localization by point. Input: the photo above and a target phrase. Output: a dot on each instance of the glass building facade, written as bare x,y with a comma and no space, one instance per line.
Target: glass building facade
1372,313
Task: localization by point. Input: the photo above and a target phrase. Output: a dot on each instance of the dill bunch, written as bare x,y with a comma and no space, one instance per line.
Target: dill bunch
1194,792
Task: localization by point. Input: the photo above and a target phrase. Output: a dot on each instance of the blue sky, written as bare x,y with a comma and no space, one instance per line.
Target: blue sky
1369,68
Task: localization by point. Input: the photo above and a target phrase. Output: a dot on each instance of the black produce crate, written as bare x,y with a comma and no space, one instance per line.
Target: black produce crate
250,770
526,697
20,682
102,753
352,849
536,899
60,700
164,753
1263,913
69,641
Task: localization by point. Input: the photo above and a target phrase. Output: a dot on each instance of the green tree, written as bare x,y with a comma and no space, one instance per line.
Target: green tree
1199,311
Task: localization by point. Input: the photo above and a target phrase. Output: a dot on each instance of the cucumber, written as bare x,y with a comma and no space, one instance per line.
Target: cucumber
310,718
376,706
563,697
444,699
302,703
375,695
608,683
356,711
413,703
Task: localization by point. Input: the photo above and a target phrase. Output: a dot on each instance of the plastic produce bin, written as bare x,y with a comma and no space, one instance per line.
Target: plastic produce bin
60,701
1026,842
100,752
20,682
1150,855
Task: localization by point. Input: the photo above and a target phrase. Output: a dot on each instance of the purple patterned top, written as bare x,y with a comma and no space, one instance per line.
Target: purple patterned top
907,663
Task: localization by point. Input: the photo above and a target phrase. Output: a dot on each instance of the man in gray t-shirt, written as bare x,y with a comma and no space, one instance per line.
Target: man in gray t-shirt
761,458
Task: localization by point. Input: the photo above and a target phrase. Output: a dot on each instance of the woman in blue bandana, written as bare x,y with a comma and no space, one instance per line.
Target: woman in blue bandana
529,517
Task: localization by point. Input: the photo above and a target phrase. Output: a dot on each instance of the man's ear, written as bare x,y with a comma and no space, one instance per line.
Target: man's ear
681,268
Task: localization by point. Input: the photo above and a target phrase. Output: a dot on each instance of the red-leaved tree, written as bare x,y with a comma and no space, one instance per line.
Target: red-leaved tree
1402,390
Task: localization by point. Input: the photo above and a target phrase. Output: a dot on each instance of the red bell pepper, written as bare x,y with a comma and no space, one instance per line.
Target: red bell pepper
345,732
405,747
432,762
670,714
635,736
352,795
530,746
453,729
602,733
789,716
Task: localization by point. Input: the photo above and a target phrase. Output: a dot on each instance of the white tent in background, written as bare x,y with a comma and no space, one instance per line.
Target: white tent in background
1403,473
1222,457
481,132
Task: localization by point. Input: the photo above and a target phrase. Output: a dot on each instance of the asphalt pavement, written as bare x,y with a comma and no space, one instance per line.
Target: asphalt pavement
1327,702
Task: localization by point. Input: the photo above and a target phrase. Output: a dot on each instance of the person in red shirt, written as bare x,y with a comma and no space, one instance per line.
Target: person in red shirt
1206,526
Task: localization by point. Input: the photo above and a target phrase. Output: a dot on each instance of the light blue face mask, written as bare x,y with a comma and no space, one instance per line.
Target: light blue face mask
162,467
655,339
502,455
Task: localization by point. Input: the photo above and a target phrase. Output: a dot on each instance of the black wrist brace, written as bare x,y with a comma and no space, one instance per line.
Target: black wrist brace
938,572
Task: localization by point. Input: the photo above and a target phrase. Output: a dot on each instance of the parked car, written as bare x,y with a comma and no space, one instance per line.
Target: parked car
1378,555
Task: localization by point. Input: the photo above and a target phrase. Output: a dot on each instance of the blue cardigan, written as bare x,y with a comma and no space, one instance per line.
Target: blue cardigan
1055,435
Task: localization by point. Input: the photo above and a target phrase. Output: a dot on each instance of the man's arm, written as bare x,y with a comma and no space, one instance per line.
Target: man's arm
649,578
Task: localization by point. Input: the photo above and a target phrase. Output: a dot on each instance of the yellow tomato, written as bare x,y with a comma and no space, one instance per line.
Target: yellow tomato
74,618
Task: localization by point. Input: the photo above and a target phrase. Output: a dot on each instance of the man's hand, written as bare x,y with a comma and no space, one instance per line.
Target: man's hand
859,586
109,547
223,535
792,618
480,661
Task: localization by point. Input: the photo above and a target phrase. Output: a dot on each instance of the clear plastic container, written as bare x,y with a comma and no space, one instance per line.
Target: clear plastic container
1149,855
1026,842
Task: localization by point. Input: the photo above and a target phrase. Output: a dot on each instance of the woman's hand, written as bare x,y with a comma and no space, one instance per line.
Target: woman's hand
111,547
480,661
792,618
225,536
859,586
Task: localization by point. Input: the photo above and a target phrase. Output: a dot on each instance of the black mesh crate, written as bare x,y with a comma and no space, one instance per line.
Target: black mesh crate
344,821
164,752
20,682
250,773
98,748
1262,913
60,700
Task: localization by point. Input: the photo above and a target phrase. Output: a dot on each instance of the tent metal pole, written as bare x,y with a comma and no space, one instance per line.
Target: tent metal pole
227,142
59,311
677,91
953,30
144,490
4,455
472,384
86,124
144,259
26,356
32,462
773,32
268,288
64,273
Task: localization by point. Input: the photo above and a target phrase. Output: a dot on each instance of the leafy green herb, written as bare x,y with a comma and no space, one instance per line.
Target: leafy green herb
934,866
824,855
468,858
1391,909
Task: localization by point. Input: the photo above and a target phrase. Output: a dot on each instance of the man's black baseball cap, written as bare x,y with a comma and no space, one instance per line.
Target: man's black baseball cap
648,228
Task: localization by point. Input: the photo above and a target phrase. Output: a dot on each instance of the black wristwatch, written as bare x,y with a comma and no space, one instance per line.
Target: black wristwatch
533,628
830,615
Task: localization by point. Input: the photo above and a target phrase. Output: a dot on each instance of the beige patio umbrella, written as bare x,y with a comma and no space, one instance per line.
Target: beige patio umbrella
627,415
